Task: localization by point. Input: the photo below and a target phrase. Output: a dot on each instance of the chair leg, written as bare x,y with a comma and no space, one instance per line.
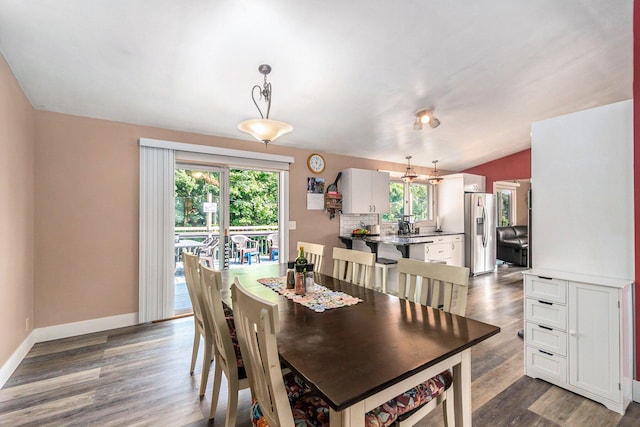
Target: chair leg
206,365
215,394
449,410
196,345
232,403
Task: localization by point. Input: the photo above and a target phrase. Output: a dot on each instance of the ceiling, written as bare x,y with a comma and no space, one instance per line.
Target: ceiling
348,75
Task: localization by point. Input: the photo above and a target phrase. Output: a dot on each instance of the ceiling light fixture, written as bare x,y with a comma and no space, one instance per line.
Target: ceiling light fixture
435,179
264,129
423,117
409,174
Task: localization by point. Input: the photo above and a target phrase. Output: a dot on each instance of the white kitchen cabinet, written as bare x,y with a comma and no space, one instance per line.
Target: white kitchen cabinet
578,334
448,249
365,191
457,246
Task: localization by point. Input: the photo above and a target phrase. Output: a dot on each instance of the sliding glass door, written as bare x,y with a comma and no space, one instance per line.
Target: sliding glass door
228,216
199,222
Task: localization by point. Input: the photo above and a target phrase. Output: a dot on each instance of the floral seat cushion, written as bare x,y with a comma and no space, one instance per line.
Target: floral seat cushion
386,414
307,408
228,314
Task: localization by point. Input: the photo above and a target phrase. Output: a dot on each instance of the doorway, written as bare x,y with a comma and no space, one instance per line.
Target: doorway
229,216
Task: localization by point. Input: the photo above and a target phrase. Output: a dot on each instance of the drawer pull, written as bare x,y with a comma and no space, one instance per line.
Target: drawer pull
545,302
545,277
545,327
545,352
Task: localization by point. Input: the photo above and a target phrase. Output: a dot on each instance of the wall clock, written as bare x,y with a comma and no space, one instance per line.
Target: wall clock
316,163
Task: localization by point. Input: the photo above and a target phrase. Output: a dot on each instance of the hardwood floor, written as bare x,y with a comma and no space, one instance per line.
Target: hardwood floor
139,376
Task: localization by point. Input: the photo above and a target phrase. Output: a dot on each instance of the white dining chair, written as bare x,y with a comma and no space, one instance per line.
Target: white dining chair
201,329
257,323
439,286
226,353
433,284
314,253
354,266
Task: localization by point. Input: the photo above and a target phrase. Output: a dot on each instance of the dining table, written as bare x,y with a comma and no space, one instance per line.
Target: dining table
360,356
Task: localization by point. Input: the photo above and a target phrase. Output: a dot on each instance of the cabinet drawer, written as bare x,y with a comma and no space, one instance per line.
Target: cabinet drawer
546,338
546,313
545,364
437,251
547,289
457,238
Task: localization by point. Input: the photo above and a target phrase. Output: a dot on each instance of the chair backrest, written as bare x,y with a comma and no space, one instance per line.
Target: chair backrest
434,284
211,287
354,266
273,239
314,253
192,277
240,240
257,324
208,252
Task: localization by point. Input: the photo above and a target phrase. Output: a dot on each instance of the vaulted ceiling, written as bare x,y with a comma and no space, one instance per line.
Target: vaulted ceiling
348,75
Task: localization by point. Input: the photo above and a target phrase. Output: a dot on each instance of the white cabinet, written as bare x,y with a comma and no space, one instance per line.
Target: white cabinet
451,198
457,247
365,191
578,334
448,249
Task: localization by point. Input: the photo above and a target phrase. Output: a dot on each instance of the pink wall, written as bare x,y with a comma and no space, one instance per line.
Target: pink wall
514,166
636,166
87,211
16,214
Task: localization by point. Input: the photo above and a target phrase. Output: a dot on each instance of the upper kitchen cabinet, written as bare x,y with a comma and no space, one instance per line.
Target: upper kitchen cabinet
365,191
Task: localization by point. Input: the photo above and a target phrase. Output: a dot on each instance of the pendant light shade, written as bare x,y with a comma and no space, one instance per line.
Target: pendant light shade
264,129
409,174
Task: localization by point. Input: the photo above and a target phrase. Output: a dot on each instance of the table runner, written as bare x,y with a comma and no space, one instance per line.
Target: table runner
321,299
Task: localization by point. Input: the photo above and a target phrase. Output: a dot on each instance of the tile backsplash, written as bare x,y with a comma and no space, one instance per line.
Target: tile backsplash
349,222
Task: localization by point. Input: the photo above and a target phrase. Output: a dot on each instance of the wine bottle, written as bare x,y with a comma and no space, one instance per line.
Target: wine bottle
301,260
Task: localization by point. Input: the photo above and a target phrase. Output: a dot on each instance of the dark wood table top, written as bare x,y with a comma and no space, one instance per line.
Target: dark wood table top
350,353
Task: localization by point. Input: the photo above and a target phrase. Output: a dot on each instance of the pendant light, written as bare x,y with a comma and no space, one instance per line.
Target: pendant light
409,174
435,179
264,129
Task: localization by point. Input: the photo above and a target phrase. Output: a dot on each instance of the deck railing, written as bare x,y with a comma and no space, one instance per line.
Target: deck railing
257,233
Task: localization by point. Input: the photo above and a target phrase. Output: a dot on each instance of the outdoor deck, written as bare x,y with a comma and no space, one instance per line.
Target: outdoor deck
182,303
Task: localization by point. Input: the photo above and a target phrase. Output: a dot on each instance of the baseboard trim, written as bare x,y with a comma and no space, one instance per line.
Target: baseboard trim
7,369
63,331
635,394
85,327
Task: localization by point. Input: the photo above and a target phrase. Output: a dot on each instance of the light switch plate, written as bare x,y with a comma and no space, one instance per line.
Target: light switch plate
292,225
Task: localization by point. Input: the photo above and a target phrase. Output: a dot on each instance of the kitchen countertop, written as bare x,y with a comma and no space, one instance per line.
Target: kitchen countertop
402,242
402,239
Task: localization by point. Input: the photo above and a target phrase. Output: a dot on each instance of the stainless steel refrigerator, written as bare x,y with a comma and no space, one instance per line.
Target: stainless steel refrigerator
480,232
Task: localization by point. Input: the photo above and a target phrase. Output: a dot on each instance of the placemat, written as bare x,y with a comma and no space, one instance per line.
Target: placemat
321,299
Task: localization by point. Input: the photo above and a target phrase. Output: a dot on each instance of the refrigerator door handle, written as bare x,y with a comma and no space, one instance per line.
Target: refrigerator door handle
484,229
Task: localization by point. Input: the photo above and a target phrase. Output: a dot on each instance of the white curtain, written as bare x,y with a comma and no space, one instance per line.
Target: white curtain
156,254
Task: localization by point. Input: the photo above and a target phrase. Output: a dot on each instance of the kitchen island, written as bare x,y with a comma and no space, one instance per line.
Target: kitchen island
404,242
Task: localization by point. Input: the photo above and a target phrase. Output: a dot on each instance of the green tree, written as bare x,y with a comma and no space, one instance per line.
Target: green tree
191,189
253,197
396,199
419,201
